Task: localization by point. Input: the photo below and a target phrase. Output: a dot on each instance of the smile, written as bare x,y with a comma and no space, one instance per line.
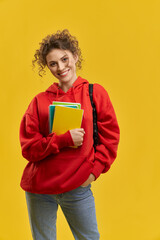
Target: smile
64,73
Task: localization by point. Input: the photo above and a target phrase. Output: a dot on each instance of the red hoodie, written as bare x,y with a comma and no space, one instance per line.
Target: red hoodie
54,167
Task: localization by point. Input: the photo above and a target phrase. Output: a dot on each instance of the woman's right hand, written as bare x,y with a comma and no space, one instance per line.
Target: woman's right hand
77,135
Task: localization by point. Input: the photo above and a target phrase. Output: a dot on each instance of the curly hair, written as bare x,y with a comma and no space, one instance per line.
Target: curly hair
60,40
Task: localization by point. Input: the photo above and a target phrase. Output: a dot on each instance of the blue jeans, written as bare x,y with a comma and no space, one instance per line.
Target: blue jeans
78,207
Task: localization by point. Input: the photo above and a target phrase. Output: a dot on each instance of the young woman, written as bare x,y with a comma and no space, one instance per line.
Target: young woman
57,174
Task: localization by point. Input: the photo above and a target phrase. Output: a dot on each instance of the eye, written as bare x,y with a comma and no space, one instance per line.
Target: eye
52,64
65,59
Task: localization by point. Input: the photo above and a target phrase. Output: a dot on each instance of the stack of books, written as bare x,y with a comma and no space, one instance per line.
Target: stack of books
64,116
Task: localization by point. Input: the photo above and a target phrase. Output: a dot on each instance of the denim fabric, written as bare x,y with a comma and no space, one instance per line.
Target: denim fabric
78,207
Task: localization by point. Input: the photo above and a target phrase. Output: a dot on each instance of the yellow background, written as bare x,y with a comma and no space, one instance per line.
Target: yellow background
120,42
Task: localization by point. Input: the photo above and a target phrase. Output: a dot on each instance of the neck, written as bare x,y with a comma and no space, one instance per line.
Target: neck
65,86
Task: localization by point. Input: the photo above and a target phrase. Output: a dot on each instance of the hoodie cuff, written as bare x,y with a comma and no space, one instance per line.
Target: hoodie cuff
64,140
97,169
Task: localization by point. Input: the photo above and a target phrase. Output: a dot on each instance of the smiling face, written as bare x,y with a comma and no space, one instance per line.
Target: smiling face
62,64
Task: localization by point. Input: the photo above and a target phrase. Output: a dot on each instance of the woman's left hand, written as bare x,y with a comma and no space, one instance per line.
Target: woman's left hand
90,179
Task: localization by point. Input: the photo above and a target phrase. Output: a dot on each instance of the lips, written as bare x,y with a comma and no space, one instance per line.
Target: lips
63,73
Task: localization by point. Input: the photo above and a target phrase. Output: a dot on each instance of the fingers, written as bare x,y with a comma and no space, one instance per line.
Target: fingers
77,136
80,129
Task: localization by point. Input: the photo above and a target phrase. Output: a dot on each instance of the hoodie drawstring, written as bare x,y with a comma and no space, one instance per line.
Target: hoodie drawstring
74,96
57,92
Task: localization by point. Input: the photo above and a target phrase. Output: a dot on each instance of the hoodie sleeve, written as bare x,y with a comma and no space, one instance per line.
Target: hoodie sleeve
108,131
35,146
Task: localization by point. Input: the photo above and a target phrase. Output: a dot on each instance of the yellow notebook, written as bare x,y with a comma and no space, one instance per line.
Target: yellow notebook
66,118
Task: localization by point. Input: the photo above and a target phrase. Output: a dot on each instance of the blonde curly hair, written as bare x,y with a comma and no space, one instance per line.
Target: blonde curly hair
60,40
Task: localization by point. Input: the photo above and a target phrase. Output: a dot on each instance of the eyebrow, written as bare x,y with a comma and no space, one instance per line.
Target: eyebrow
60,58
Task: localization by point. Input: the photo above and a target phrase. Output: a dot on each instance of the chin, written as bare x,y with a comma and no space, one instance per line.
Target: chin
65,79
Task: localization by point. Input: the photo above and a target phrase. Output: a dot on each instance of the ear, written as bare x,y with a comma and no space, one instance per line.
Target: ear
75,57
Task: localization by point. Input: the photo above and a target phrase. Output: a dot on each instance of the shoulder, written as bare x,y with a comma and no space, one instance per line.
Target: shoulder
101,97
38,96
41,95
98,86
34,102
99,90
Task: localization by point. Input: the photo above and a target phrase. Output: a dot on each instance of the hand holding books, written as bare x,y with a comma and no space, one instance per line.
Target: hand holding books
77,136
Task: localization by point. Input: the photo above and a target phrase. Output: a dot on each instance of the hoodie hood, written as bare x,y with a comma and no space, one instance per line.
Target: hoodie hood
55,89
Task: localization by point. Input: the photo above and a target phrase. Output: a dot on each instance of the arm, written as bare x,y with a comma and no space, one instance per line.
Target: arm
108,131
35,146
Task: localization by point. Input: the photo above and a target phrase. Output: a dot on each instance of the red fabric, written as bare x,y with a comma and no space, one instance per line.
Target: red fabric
54,167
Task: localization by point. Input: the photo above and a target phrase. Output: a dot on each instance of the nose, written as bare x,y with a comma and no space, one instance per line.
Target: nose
61,66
